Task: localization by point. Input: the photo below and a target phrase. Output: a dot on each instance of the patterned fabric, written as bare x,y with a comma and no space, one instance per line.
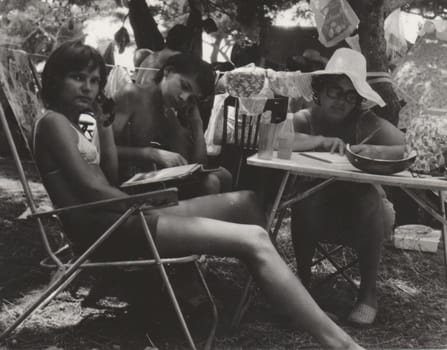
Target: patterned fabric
335,20
427,136
251,86
21,90
117,79
245,82
422,74
255,82
291,84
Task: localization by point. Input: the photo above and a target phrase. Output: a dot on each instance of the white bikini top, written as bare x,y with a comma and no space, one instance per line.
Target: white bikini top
88,150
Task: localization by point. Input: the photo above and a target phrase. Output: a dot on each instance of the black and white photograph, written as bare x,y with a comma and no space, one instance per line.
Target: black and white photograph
223,174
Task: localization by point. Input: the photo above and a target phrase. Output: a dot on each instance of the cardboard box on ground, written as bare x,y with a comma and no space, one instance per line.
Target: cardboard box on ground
417,237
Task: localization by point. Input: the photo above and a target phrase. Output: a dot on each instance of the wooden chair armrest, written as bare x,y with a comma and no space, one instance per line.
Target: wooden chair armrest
154,199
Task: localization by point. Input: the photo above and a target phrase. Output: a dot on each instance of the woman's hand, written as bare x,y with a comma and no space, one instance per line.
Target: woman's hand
333,144
102,112
167,159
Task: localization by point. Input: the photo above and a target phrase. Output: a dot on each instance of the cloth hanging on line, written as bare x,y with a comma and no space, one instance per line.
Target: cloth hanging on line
335,20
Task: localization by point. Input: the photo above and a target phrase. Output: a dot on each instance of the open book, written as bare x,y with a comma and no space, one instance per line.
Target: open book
327,157
167,174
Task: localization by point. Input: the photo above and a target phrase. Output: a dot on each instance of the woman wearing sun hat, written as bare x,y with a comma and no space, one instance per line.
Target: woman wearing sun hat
353,214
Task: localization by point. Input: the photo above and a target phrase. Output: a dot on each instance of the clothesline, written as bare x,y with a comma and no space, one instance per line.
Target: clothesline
379,77
107,64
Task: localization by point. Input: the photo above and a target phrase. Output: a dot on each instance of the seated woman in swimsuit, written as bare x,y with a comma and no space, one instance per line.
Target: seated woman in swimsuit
358,215
165,110
228,224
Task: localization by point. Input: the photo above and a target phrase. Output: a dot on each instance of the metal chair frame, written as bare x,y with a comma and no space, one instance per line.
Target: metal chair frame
68,271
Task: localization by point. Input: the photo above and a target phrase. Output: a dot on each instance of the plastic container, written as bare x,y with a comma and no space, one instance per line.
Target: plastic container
416,237
267,131
285,138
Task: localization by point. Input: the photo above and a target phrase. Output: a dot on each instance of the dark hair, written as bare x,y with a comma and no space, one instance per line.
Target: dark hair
71,56
179,38
191,66
319,82
122,34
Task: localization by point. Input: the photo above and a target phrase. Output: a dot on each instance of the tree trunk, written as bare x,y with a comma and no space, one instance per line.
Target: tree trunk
372,43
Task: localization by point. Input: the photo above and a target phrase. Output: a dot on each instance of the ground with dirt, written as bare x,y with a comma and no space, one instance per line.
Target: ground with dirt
412,287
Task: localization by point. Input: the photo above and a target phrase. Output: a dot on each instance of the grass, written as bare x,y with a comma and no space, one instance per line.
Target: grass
412,287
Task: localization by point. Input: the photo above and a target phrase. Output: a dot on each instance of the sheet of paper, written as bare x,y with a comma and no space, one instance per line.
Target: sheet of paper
327,157
162,175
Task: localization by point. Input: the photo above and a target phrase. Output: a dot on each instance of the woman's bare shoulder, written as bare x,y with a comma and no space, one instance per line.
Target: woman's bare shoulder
53,124
135,93
53,118
301,120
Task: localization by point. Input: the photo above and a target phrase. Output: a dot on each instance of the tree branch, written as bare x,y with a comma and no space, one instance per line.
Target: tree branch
219,9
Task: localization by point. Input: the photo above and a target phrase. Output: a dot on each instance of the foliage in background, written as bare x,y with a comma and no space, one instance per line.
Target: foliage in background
38,25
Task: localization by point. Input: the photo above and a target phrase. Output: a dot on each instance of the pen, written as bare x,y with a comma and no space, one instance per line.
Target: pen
370,136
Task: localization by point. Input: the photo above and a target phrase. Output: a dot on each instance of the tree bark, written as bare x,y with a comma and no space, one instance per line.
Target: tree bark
372,43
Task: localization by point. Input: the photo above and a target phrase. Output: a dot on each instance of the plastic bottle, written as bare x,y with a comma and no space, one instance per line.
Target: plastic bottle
285,138
266,136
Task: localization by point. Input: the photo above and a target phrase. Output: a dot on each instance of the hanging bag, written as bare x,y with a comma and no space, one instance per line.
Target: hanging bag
335,19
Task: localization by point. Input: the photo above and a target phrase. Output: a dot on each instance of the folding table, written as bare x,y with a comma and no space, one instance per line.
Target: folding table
330,172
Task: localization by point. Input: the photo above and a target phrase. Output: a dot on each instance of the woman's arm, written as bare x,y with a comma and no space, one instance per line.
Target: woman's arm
145,155
109,153
305,142
187,139
386,135
388,141
105,140
198,154
125,102
60,141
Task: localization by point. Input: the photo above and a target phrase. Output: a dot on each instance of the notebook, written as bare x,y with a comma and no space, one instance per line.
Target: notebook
327,157
167,174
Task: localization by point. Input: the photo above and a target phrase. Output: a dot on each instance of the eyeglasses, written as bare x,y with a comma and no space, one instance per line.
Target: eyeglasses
350,96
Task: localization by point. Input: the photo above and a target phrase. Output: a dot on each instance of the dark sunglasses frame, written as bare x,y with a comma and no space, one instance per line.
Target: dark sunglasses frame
350,96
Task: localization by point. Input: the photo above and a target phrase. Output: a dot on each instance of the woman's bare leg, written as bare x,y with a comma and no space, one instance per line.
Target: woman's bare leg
187,234
240,207
218,181
368,215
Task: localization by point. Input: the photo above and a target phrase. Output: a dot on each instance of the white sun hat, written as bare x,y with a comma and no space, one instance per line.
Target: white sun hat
353,64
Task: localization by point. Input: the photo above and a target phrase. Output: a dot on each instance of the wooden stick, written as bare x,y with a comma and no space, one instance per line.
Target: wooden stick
370,136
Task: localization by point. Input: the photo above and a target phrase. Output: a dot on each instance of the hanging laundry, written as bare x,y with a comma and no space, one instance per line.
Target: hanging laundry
396,44
116,80
335,20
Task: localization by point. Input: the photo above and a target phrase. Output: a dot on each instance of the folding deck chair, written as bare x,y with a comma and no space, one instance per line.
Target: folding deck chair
17,88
